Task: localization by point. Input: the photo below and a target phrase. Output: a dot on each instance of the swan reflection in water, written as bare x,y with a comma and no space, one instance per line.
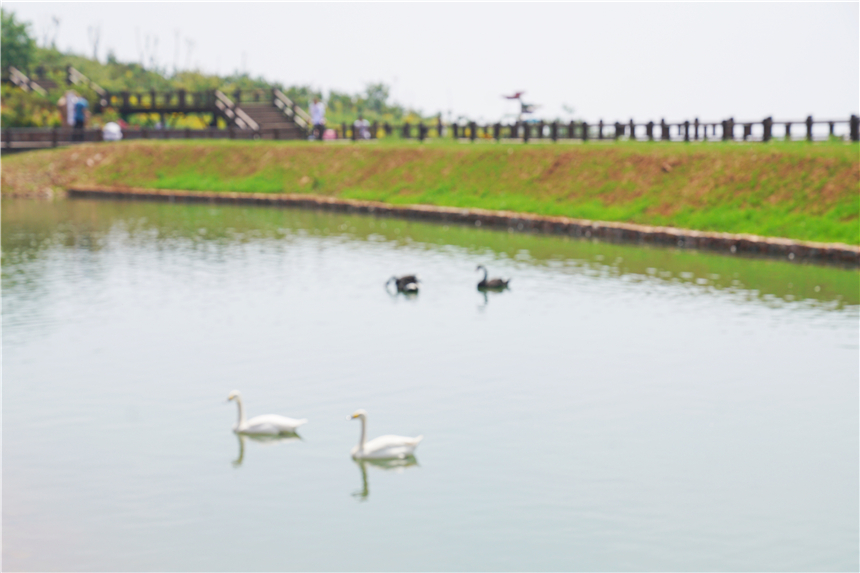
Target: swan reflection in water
486,297
264,440
396,465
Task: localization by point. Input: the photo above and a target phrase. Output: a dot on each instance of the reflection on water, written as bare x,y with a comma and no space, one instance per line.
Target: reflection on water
620,408
263,440
397,295
87,225
397,465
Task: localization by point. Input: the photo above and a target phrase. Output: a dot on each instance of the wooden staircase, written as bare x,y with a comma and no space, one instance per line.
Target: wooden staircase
18,78
272,122
268,113
273,116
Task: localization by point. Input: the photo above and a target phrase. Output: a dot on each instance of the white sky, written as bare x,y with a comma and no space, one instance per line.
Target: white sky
608,61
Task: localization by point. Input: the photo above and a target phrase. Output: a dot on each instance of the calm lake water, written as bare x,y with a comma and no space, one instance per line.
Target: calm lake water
619,408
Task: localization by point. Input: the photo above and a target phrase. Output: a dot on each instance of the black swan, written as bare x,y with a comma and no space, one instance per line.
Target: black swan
406,283
491,284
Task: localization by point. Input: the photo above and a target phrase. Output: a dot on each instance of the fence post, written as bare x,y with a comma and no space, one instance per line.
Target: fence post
439,126
831,129
571,130
664,130
553,130
407,132
526,133
540,129
632,130
473,131
649,130
54,136
374,130
421,132
854,123
497,131
619,131
237,96
687,130
767,125
696,129
809,128
584,131
600,129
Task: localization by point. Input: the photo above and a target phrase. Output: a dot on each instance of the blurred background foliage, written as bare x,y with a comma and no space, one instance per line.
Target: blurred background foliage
45,62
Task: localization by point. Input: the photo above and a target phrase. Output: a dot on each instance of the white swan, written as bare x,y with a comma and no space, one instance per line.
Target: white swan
383,447
267,424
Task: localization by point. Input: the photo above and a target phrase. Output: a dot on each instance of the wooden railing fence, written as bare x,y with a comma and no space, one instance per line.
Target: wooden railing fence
727,130
246,128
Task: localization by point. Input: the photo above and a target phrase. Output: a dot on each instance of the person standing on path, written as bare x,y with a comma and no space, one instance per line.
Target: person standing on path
318,118
80,118
362,127
67,107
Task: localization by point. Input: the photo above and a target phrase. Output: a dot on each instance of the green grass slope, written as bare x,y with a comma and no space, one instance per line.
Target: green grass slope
794,190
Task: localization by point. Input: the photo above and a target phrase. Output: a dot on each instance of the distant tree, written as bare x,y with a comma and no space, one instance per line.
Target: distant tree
17,46
376,97
341,102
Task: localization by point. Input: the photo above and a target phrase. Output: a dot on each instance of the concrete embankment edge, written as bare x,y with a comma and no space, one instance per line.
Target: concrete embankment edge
772,247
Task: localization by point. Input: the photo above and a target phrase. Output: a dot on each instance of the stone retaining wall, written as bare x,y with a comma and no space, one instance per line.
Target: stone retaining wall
797,251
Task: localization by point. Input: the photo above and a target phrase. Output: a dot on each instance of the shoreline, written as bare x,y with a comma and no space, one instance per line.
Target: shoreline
728,243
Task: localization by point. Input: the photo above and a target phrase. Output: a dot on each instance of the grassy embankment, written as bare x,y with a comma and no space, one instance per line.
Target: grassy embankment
794,190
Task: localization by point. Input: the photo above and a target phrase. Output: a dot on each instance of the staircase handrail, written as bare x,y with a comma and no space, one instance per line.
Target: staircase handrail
76,77
300,116
231,111
18,78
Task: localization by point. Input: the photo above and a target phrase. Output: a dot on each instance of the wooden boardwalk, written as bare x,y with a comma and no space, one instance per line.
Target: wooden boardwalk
269,113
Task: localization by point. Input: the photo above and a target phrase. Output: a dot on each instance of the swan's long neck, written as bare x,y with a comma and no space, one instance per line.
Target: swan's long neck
363,432
241,421
485,273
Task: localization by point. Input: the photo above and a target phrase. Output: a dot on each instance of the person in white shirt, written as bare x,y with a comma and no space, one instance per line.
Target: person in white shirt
318,118
362,128
67,107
